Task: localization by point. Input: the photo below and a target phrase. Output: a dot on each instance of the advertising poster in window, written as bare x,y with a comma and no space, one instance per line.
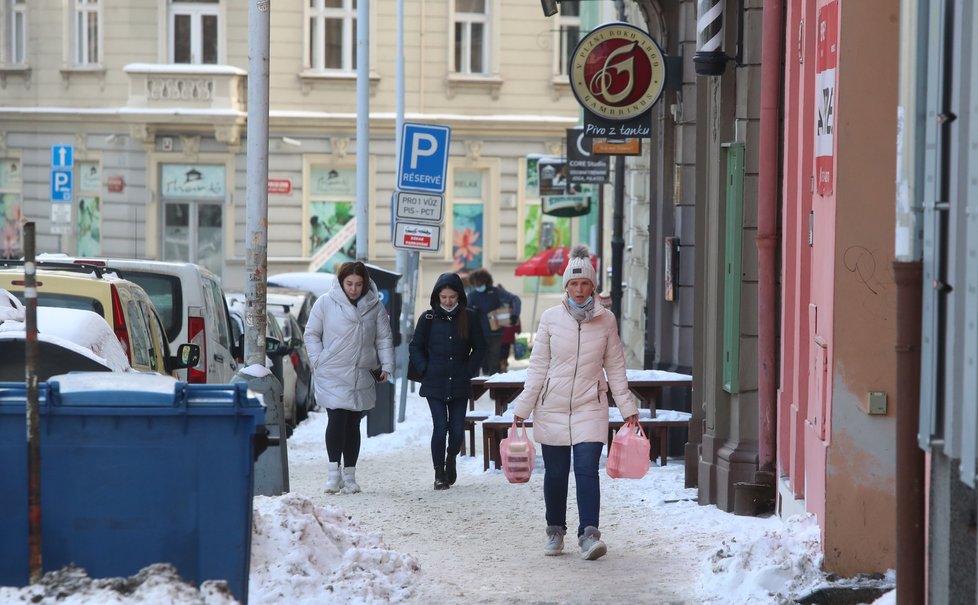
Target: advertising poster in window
467,220
10,208
468,224
89,226
537,228
10,219
331,227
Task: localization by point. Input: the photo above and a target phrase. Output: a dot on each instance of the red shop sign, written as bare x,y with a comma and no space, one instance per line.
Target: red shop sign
280,186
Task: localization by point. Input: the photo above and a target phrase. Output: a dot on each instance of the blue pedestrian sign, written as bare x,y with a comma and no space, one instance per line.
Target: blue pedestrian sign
62,156
424,157
60,185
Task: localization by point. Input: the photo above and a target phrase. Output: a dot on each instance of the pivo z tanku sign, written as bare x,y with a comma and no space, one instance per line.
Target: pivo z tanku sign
617,73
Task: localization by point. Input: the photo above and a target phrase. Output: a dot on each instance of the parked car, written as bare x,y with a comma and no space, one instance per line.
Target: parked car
68,340
277,348
316,282
298,302
122,304
305,391
190,304
290,308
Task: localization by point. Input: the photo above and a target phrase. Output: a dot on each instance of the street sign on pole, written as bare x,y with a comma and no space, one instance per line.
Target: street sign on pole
62,156
417,236
60,185
419,206
424,157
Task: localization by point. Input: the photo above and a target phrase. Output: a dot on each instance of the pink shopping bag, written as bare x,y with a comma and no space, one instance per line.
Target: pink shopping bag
628,456
518,454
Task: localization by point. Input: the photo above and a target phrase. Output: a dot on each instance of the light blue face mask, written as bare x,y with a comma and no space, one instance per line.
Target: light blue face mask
480,288
583,304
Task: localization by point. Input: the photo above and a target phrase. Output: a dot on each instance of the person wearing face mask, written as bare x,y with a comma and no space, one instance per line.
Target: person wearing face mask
348,335
447,349
485,298
566,392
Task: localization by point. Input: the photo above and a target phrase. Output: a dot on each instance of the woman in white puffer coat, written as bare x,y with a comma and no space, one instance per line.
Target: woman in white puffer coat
348,338
576,344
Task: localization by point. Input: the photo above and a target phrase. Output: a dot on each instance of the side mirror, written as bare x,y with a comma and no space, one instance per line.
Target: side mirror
275,347
188,356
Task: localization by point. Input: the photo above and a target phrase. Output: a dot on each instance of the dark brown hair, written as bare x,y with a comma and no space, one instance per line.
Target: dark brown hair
462,317
481,277
354,268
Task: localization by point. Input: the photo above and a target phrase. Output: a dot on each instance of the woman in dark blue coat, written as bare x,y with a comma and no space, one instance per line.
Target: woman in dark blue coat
447,350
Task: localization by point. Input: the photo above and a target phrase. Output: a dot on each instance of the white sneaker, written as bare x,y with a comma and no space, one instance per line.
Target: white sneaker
591,545
555,540
334,482
349,480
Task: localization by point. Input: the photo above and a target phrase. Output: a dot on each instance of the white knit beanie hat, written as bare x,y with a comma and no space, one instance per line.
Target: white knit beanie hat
579,266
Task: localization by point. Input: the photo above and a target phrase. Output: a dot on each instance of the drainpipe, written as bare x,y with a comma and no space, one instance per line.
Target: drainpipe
772,36
911,477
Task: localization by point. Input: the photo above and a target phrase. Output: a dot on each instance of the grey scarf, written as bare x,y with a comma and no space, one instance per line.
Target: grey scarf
581,314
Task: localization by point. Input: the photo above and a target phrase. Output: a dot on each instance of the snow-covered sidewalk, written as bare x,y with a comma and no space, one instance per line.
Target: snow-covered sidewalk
479,542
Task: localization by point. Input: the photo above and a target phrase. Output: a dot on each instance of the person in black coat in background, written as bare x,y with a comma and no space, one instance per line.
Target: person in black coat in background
447,350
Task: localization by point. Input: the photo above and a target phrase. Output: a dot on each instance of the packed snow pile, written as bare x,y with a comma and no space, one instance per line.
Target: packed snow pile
159,583
773,567
303,553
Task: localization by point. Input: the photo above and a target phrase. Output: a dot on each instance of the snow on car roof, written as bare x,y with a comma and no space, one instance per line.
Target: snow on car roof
84,332
316,282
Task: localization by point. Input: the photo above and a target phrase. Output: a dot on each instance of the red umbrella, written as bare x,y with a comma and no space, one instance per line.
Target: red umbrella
552,261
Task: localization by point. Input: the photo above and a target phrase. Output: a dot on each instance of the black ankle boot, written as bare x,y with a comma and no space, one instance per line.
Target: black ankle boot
451,474
440,482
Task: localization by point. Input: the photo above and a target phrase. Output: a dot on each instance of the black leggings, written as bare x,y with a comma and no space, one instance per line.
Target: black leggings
343,436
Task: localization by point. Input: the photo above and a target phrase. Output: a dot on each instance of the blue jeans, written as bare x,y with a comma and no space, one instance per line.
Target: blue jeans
447,418
556,461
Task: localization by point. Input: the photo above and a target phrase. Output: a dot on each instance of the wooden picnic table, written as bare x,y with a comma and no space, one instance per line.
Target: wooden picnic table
646,386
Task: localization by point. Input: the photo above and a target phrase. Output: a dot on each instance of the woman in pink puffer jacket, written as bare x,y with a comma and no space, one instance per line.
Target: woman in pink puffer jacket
576,344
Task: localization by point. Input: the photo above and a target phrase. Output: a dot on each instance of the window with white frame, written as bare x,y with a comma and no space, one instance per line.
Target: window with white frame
569,33
87,32
15,49
331,35
472,37
194,31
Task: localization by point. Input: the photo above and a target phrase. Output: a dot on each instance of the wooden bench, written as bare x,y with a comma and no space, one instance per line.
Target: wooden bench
494,430
471,419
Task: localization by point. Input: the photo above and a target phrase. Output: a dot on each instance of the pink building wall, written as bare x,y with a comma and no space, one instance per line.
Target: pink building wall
838,321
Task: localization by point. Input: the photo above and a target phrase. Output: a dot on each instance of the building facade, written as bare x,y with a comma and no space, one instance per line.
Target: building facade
151,101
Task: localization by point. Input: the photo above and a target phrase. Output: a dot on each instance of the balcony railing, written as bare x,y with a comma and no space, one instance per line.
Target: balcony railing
188,87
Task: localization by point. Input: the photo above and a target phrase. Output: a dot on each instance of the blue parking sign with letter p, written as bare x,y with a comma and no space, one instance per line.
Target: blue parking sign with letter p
424,157
61,186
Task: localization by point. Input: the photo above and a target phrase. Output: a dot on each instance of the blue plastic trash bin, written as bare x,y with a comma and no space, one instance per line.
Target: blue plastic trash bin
139,471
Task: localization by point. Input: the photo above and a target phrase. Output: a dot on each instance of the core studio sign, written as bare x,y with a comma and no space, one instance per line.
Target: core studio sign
617,73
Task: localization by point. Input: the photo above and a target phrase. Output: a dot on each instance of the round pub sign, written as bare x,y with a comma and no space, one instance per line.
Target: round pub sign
617,71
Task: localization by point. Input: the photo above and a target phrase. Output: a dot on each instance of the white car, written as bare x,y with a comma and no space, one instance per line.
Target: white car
191,305
68,340
318,283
